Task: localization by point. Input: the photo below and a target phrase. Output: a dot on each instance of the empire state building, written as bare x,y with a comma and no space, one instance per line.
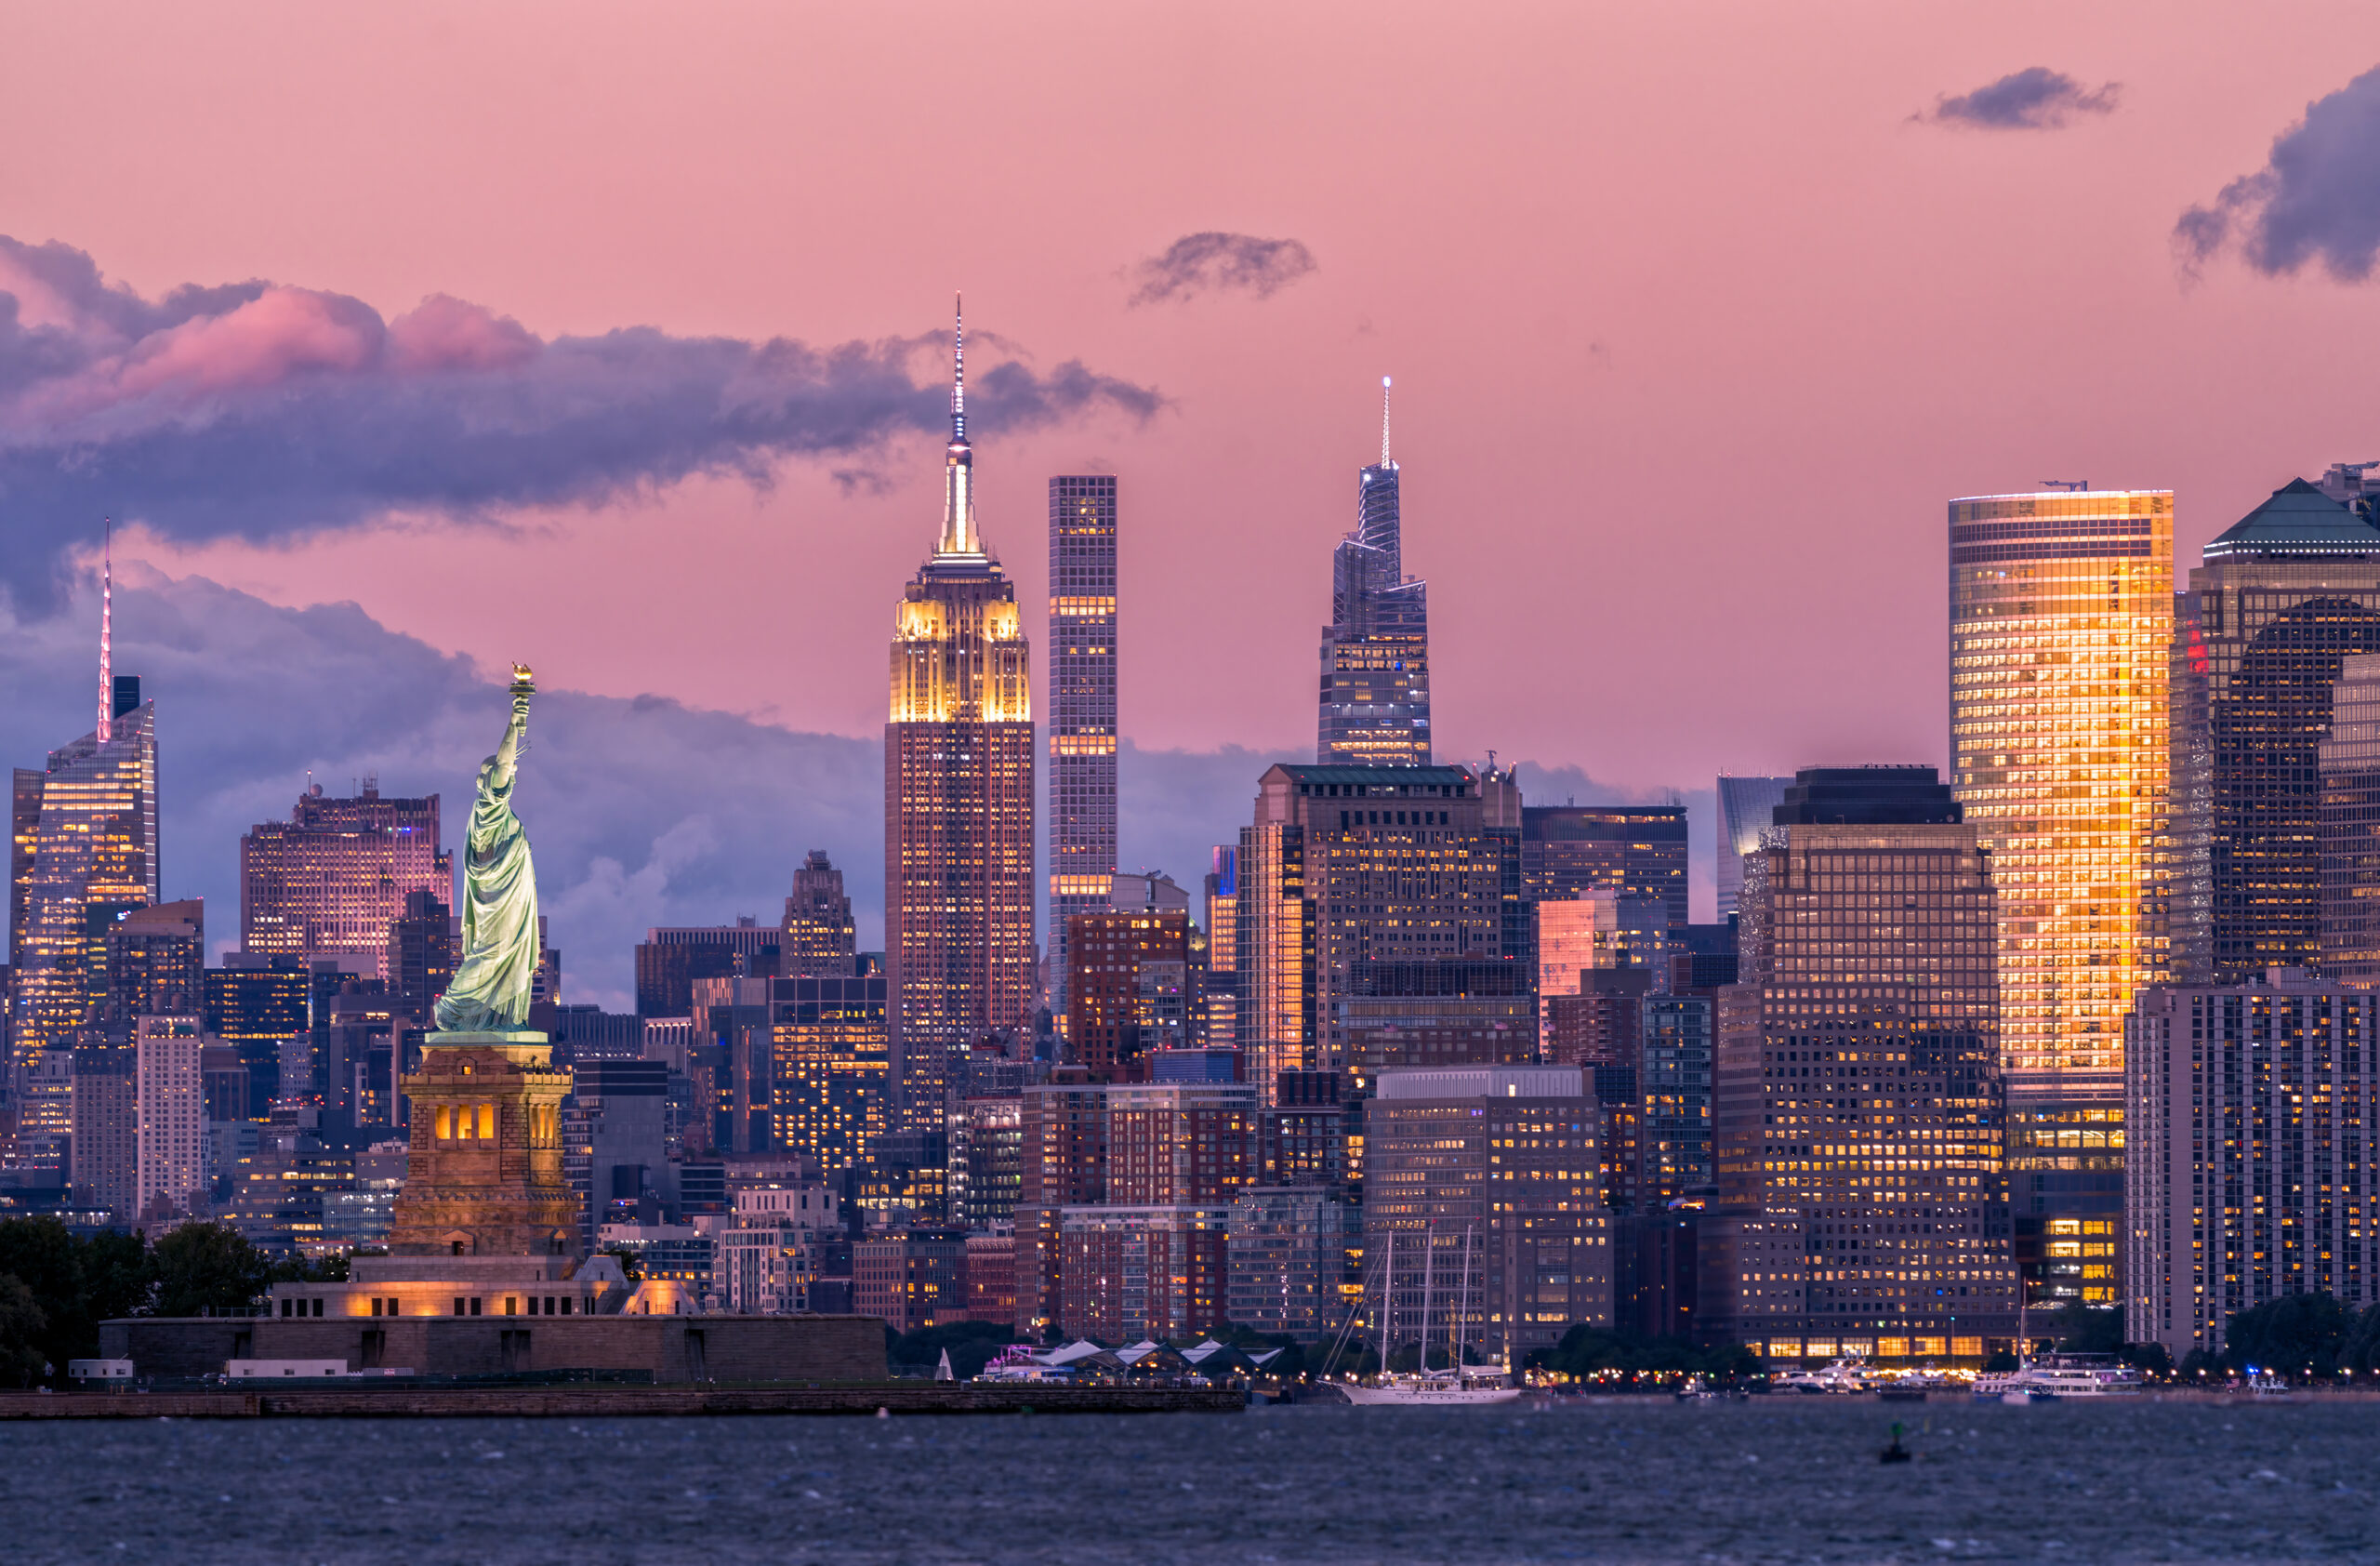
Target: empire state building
958,799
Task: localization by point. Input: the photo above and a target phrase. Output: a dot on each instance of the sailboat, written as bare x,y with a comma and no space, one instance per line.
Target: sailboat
1456,1384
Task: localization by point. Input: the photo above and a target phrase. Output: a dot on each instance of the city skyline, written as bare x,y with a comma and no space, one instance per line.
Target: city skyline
1763,874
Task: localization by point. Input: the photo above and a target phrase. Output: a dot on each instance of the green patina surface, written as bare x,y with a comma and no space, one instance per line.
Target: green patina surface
490,991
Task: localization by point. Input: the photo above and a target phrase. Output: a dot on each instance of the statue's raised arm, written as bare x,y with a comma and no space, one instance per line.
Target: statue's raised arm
490,992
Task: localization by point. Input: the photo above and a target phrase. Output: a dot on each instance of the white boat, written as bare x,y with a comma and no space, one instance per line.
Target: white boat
1437,1390
2059,1378
1454,1386
1840,1376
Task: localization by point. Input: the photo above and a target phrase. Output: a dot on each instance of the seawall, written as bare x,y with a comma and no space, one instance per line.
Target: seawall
899,1398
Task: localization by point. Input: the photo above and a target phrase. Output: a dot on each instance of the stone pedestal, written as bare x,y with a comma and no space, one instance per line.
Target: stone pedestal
485,1174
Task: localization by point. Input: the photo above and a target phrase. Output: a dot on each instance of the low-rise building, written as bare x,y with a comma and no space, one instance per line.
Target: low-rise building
765,1257
1132,1273
912,1280
1293,1255
991,1274
1485,1180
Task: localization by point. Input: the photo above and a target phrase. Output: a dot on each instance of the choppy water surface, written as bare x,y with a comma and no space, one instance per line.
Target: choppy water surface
1769,1480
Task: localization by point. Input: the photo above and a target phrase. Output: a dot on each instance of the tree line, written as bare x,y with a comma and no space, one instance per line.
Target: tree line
56,1286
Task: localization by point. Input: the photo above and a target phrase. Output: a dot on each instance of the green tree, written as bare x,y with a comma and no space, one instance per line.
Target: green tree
76,1284
971,1346
2085,1328
21,1325
2296,1335
205,1267
1586,1349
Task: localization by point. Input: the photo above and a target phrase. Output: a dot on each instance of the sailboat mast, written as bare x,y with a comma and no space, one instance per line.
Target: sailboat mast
1429,1256
1387,1300
1463,1310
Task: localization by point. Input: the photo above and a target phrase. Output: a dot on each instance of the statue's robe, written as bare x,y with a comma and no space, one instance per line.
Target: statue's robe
500,946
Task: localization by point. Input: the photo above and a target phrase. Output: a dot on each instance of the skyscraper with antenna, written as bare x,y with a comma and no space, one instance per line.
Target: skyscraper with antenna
83,848
1375,687
959,862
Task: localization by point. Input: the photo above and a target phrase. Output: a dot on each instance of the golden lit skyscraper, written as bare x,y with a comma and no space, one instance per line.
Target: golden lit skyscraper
2061,609
957,801
2061,614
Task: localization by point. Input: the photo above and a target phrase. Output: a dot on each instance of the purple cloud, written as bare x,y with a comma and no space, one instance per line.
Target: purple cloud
1198,263
2316,198
2034,98
263,411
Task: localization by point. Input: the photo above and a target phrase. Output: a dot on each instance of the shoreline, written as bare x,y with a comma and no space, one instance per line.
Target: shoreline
851,1400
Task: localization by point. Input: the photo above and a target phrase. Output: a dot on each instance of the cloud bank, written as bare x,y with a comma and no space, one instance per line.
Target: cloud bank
641,812
1199,263
2316,198
263,411
2034,98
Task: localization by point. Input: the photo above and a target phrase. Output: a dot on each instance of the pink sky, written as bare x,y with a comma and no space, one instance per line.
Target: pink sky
1693,329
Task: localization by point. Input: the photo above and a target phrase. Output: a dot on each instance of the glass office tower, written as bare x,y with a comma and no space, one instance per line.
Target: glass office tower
84,849
1744,807
2285,595
2062,612
1376,650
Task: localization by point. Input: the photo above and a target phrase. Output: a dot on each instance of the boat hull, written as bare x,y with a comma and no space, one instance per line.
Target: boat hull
1429,1397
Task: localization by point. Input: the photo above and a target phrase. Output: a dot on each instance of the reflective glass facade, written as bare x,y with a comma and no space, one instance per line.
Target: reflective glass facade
1375,684
84,839
2061,610
2350,836
2285,595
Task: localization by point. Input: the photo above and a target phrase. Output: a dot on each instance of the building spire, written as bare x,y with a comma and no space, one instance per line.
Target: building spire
959,368
959,467
1383,421
105,730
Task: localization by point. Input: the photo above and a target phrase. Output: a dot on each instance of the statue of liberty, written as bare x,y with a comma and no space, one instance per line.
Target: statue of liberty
490,992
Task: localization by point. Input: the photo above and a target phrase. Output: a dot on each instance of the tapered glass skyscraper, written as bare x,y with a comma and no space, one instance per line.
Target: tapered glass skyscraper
2061,610
1082,708
2061,615
958,799
1376,650
85,847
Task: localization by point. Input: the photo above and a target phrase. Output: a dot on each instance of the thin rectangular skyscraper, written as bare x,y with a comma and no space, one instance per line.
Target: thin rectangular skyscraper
1082,708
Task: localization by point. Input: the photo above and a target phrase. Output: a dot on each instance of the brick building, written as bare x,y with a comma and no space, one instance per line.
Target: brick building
913,1280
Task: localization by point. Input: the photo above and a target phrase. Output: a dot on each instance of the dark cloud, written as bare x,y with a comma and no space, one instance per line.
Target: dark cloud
2316,198
263,411
641,812
2034,98
1200,263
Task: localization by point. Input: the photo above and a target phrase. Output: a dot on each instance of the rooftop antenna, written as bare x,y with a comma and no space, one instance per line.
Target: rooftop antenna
958,367
1384,422
105,730
2070,486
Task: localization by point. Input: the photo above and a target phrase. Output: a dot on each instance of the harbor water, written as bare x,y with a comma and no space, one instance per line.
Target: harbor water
1775,1479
